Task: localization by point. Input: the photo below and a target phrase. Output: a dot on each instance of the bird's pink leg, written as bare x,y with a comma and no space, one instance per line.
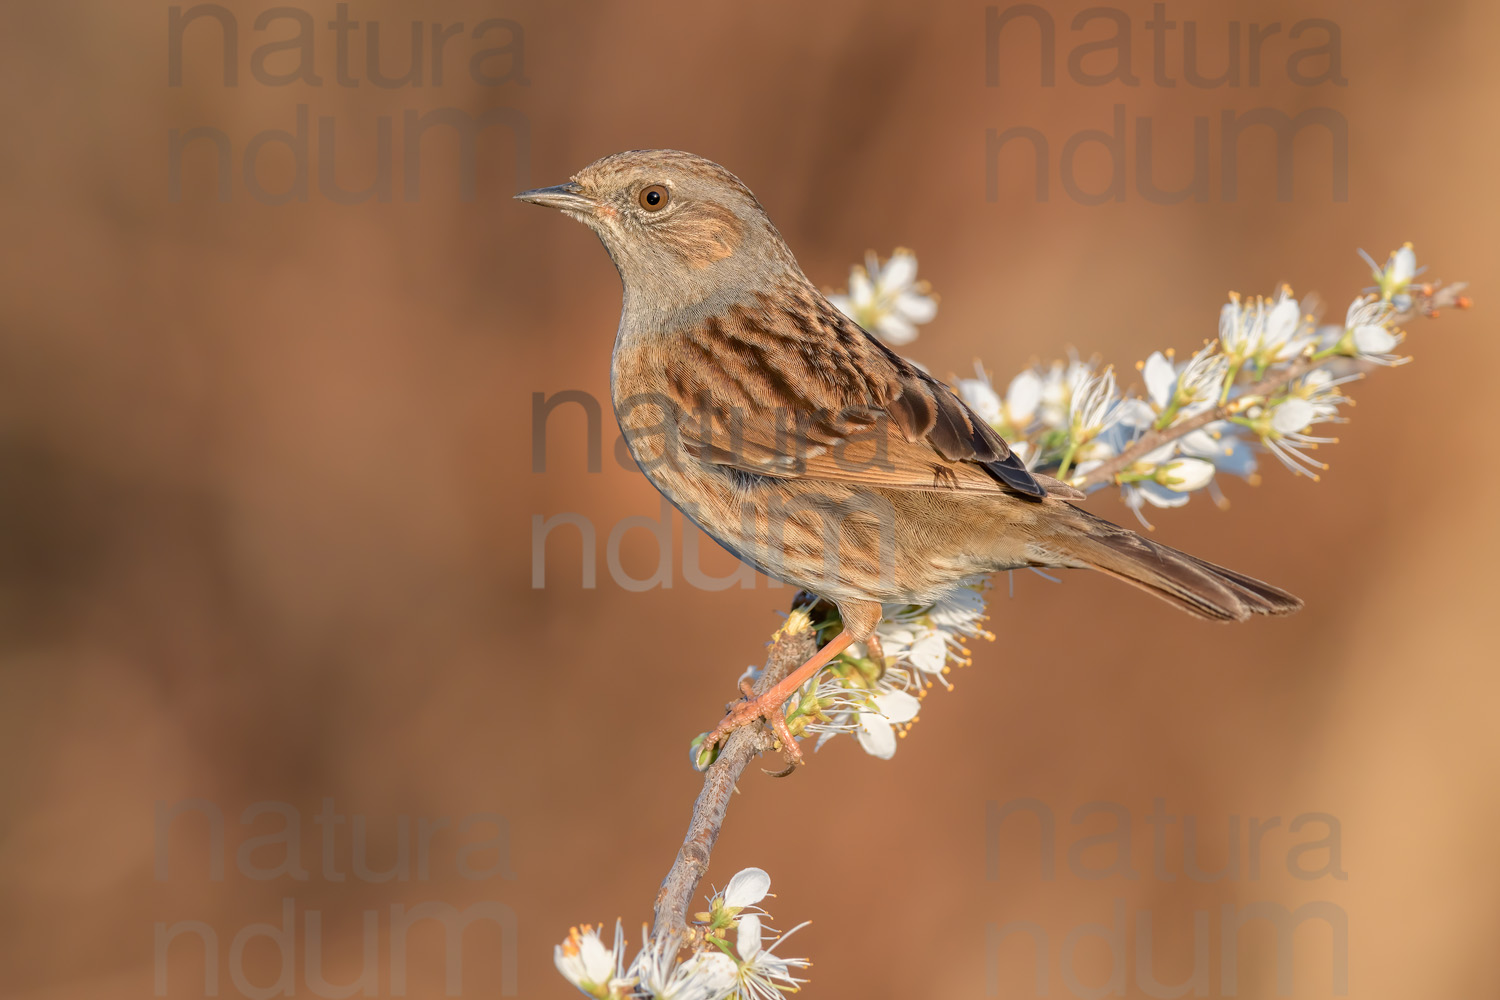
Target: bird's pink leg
768,705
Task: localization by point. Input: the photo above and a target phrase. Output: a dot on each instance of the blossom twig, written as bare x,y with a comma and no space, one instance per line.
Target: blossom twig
1425,301
1106,471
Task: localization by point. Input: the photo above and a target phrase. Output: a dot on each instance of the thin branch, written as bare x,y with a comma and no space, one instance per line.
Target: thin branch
789,650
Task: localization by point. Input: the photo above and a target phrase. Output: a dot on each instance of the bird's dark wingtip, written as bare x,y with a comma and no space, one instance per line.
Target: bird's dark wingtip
1015,475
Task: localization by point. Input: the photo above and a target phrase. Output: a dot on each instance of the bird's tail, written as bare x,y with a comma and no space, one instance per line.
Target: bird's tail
1198,587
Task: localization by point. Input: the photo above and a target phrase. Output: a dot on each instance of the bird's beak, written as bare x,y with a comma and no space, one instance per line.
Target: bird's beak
567,197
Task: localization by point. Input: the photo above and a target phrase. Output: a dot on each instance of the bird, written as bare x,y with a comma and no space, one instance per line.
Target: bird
807,447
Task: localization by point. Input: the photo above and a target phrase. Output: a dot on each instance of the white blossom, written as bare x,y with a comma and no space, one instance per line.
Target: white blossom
982,398
1292,416
747,887
1372,341
1147,487
1197,381
1137,495
1286,334
1178,393
888,300
1265,331
705,975
1368,334
1282,429
1022,397
1393,281
751,970
584,961
1096,407
1060,383
877,727
1015,412
762,974
928,649
1236,327
1221,444
919,644
1161,380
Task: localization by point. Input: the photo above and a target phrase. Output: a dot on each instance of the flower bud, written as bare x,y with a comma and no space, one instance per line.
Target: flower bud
1184,475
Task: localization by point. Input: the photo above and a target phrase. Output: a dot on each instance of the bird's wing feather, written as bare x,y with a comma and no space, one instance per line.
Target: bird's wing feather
791,388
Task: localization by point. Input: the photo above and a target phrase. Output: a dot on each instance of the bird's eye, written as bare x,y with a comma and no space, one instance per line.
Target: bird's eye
654,198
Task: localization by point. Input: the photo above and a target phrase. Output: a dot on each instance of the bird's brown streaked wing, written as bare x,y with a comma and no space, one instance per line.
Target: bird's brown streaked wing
888,460
927,409
803,392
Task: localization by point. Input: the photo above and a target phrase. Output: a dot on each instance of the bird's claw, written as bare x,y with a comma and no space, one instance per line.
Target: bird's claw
753,709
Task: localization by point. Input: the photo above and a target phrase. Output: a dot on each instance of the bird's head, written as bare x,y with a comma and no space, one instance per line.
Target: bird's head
682,230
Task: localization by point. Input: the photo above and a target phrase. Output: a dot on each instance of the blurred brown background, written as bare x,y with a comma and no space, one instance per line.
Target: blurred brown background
266,505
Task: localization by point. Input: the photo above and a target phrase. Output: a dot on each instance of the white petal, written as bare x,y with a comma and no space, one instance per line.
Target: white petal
1135,413
748,887
1203,376
1355,309
1159,496
960,607
1156,456
1094,405
900,271
1282,322
1078,375
1084,468
917,308
597,959
894,330
860,289
569,965
1293,415
1199,444
929,653
876,736
1403,265
1229,323
1055,385
748,942
1374,340
1238,458
981,396
893,634
1022,398
1161,378
708,975
771,966
898,706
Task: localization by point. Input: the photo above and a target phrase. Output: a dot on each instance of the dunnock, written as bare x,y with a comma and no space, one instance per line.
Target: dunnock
805,446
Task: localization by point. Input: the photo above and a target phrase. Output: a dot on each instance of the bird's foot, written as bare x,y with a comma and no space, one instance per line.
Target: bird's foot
752,709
